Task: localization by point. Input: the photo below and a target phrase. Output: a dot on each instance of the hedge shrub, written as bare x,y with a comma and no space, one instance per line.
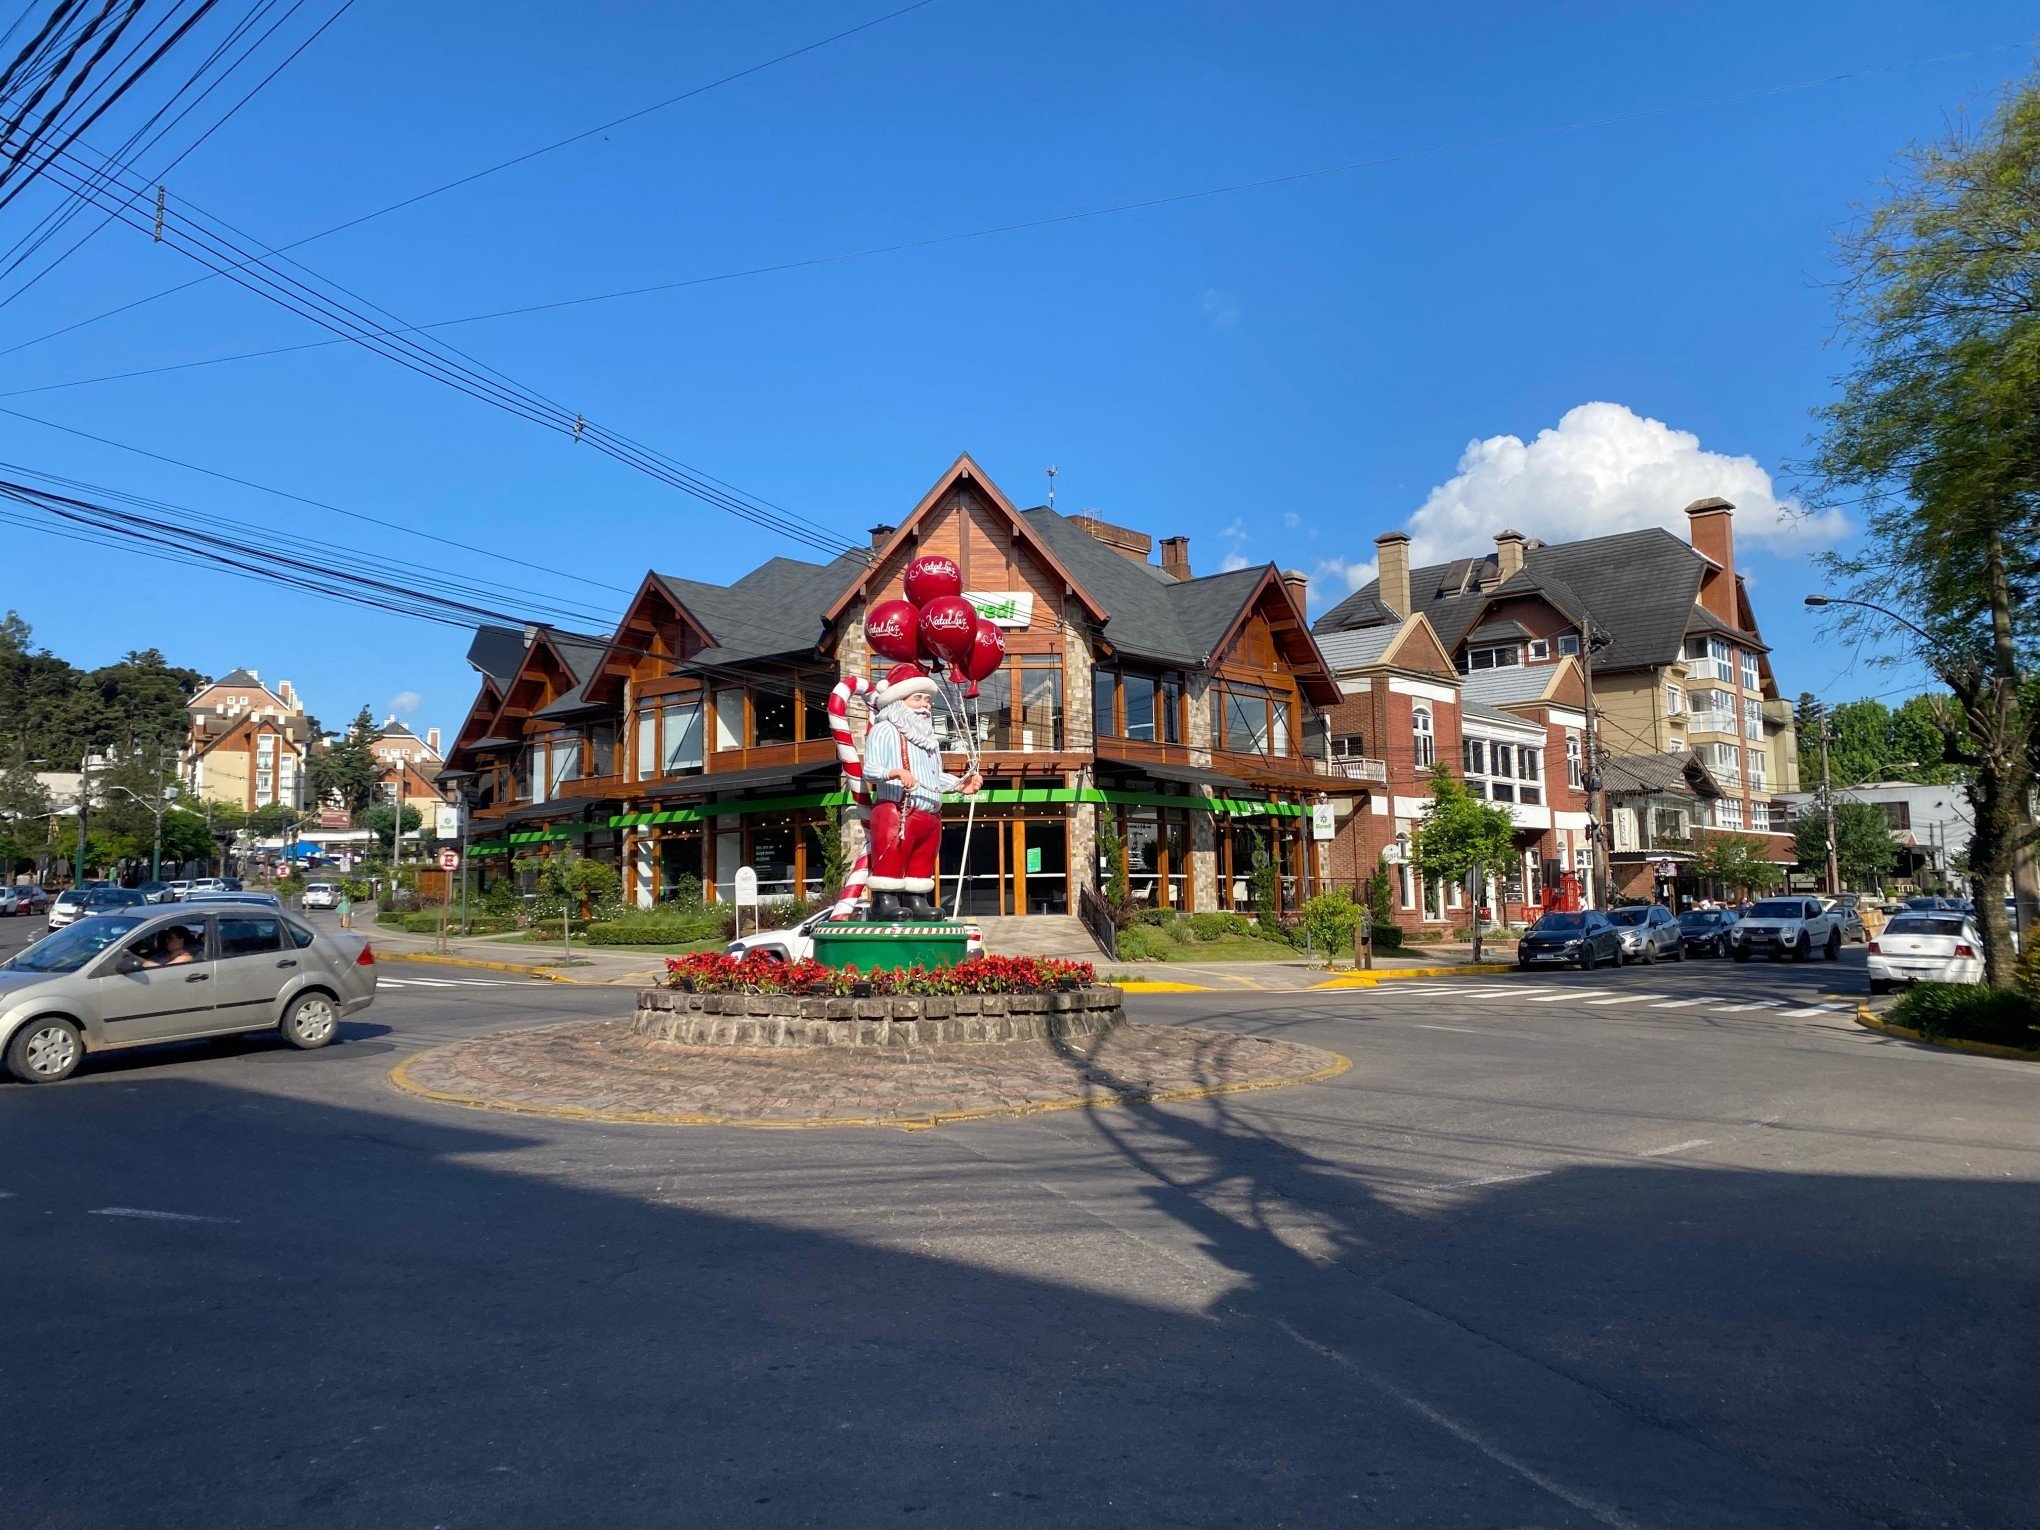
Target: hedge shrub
1970,1012
659,927
1218,926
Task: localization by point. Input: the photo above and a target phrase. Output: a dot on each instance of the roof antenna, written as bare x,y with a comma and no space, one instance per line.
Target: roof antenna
1051,486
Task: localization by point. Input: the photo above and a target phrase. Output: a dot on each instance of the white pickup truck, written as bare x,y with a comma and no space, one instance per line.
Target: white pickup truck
1795,927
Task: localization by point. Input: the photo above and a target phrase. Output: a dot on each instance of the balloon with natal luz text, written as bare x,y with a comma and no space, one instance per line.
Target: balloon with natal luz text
931,577
894,631
987,653
948,623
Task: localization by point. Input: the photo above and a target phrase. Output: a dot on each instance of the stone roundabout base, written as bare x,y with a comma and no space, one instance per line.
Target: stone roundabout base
606,1071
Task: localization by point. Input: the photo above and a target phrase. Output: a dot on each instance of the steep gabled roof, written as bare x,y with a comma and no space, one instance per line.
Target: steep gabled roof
769,612
1636,586
1146,620
1684,772
1521,685
498,652
238,678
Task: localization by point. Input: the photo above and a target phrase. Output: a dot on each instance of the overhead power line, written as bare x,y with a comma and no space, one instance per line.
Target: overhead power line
1052,220
488,170
213,242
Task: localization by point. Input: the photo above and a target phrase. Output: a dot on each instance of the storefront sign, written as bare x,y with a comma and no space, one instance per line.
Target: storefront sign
1322,824
1033,859
1003,608
746,887
446,822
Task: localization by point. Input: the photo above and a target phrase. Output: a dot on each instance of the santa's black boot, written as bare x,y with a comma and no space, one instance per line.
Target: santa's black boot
885,908
919,907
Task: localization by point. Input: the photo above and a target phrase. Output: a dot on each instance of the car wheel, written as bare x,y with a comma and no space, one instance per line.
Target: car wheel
313,1020
45,1051
1650,953
1590,958
1834,946
1804,949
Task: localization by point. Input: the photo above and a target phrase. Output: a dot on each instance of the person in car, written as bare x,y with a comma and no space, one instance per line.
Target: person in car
173,949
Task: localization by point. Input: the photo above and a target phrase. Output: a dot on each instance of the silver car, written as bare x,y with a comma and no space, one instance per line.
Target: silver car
1648,931
136,976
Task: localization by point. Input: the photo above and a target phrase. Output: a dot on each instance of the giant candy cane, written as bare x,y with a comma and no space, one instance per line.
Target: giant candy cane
860,793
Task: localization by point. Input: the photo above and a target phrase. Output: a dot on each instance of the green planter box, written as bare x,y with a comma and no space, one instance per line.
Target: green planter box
871,947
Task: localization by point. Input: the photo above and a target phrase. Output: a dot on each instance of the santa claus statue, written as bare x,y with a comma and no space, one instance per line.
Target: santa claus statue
903,767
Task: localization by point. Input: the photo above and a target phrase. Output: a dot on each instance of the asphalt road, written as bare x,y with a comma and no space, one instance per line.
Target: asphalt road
1537,1259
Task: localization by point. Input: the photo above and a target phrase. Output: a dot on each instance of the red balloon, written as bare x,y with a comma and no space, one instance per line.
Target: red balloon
948,623
931,578
893,629
987,653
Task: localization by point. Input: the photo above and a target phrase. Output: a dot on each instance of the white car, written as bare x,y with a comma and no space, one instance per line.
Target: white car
798,943
10,901
1929,946
1797,927
177,891
321,895
203,884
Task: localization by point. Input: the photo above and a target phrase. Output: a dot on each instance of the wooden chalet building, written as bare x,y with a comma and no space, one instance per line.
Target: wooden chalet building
695,739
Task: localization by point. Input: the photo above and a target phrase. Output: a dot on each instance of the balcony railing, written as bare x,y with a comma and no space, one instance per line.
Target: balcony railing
1712,722
1357,768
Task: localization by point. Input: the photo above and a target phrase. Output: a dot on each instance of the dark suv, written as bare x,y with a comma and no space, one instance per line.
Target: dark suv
1704,931
1583,939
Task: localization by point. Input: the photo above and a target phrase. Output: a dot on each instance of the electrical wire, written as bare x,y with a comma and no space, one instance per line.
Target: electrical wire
490,170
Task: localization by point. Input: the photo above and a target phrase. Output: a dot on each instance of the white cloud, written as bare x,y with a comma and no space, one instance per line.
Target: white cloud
1603,468
1291,519
1220,307
406,702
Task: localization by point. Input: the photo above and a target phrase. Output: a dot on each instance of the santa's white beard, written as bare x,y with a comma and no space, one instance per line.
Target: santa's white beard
915,727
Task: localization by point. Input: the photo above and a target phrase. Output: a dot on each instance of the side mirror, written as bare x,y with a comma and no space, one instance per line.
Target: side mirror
127,962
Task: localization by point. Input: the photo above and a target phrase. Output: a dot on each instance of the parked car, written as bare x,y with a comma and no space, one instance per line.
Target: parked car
1794,927
1704,931
32,899
1648,932
1583,939
266,899
130,978
154,892
321,895
10,901
1931,946
1933,905
178,889
798,943
1848,915
203,884
232,884
74,903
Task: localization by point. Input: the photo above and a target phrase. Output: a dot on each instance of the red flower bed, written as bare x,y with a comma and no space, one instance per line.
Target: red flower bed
719,972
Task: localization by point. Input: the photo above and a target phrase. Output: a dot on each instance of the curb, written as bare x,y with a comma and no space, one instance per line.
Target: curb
400,1078
1372,979
435,959
1159,985
1868,1019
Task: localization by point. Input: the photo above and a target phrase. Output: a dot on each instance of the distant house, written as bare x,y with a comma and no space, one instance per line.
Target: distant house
408,768
247,743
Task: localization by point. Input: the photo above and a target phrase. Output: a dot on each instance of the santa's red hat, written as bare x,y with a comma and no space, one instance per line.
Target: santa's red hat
902,681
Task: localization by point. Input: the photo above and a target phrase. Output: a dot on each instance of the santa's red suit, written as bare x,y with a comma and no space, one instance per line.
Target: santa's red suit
906,823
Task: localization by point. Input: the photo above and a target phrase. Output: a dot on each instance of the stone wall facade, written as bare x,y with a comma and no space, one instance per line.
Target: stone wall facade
897,1021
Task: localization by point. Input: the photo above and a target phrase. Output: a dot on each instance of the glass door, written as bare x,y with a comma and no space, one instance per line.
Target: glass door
984,874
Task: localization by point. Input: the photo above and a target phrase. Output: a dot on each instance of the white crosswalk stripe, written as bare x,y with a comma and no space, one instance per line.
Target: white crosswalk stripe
416,982
1623,998
1572,993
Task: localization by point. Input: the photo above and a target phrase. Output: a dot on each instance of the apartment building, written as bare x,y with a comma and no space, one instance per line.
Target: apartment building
247,743
407,768
1675,659
695,739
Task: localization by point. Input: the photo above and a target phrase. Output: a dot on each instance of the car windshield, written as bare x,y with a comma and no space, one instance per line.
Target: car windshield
1629,916
70,895
1555,922
1700,919
1779,908
1925,924
74,945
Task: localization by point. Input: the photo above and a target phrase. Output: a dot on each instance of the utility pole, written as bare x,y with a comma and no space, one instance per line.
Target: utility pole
156,855
1827,803
84,798
1597,791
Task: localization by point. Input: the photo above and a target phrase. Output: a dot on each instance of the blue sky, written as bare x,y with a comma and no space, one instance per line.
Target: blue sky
1280,374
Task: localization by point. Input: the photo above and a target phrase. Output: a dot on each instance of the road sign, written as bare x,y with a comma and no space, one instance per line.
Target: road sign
449,860
746,886
1322,824
446,822
1392,853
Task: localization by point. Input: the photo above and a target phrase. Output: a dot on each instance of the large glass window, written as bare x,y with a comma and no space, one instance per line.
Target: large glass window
1170,702
1572,761
1139,696
1041,705
1750,679
772,717
1426,744
994,710
647,743
729,717
681,729
1252,719
1104,693
1753,718
814,704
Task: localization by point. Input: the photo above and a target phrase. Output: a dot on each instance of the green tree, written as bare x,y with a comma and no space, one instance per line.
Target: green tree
1937,437
266,822
345,769
1918,742
1461,834
1737,864
377,821
835,857
185,836
1859,743
1863,847
1381,895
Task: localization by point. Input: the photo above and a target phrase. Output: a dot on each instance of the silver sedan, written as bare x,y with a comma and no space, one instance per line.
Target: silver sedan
134,977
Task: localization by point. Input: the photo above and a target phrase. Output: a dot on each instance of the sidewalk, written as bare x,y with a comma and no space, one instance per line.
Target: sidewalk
619,968
1293,975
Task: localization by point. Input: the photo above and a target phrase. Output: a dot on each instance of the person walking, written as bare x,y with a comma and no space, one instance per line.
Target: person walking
346,908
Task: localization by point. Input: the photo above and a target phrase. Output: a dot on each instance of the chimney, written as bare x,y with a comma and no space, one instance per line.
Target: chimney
432,739
1392,555
1297,582
1508,554
1711,529
880,533
1176,557
1123,540
255,675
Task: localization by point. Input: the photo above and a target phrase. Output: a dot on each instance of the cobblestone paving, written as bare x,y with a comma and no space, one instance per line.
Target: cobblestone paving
603,1070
